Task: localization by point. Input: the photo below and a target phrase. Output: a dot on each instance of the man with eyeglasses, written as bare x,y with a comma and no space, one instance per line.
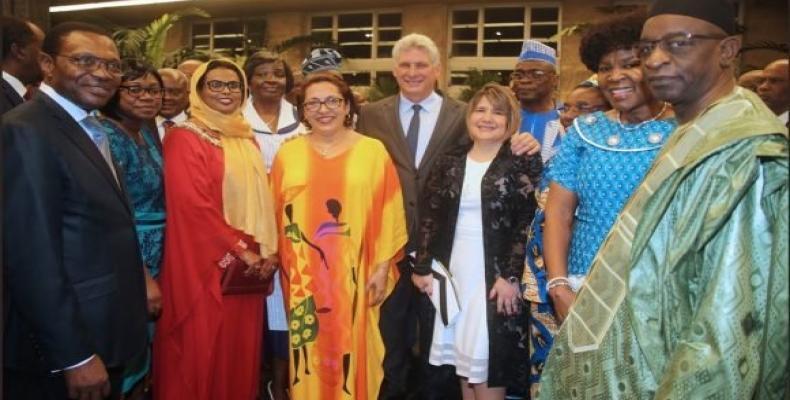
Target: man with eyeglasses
688,296
75,293
175,100
533,81
21,46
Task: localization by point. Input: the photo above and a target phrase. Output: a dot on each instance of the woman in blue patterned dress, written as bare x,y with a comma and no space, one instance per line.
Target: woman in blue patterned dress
137,154
603,157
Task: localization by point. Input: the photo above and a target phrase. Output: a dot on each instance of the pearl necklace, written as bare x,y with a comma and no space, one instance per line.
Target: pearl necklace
653,138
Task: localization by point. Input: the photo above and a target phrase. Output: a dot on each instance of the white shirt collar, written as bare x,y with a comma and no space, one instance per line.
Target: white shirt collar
15,83
181,117
285,119
72,109
429,104
783,117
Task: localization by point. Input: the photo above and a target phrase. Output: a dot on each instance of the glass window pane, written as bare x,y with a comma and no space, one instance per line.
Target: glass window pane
542,31
323,36
201,29
465,17
227,43
384,76
355,36
502,49
464,33
389,20
464,50
545,14
321,22
504,14
357,78
356,51
384,51
505,32
389,36
355,20
227,27
458,77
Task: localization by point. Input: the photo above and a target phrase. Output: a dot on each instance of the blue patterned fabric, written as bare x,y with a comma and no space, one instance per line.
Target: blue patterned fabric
141,164
141,168
603,172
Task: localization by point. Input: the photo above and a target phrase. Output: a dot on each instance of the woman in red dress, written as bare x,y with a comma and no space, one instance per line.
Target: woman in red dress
208,343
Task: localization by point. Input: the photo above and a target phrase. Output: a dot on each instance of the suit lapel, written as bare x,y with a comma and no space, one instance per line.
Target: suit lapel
11,94
440,132
75,133
391,111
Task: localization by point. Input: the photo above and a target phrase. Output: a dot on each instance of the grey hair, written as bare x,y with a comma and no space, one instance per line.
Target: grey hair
416,41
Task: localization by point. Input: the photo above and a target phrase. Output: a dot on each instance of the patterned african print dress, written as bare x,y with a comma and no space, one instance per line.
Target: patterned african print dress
602,162
339,217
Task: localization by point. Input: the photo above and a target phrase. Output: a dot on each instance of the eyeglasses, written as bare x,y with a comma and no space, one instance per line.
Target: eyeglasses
137,91
90,63
582,108
332,103
536,74
172,92
676,44
219,86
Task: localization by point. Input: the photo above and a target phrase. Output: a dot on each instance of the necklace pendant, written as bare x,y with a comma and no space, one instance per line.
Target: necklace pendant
613,140
654,138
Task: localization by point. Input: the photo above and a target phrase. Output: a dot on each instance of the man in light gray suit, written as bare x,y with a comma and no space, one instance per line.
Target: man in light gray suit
417,126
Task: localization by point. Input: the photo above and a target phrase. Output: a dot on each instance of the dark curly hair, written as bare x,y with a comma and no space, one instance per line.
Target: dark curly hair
618,33
132,69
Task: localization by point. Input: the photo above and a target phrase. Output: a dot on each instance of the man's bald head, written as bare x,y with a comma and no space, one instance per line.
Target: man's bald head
774,87
188,67
751,79
176,92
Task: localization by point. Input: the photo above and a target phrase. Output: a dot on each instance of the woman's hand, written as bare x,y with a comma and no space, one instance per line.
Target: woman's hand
524,144
507,297
377,285
153,296
424,283
562,297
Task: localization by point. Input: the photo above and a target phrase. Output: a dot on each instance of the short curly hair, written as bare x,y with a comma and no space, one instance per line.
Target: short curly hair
618,33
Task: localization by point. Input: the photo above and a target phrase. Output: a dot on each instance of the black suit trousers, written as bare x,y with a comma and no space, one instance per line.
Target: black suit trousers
19,385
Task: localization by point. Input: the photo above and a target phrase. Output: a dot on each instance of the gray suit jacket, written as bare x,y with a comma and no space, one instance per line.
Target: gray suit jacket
381,121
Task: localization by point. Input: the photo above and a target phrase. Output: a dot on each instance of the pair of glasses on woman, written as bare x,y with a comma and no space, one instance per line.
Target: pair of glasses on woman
332,103
220,86
137,91
676,44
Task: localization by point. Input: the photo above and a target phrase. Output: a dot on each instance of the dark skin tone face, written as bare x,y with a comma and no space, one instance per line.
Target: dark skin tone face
774,88
694,76
88,89
534,89
582,101
267,83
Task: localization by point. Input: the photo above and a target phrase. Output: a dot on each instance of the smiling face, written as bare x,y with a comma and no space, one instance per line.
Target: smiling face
144,106
488,123
415,74
88,89
176,93
621,81
325,119
225,100
267,83
581,101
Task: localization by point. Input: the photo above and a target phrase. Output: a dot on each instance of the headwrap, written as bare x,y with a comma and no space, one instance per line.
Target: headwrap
246,199
718,12
323,59
532,50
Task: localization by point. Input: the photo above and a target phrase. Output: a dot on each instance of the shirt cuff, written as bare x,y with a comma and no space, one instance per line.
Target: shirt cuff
77,365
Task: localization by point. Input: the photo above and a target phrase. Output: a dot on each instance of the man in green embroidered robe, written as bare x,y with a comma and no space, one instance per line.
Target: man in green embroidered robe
688,296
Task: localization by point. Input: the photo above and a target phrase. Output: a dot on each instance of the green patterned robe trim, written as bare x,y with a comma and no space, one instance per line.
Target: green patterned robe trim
701,243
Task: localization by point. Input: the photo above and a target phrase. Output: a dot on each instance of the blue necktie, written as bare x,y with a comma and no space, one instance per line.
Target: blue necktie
97,134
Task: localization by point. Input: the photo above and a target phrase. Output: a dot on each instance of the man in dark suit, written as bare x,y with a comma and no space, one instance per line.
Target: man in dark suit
19,61
416,126
73,272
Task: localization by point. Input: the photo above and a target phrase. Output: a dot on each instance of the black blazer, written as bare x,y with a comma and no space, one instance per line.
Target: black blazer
508,205
381,121
73,272
9,98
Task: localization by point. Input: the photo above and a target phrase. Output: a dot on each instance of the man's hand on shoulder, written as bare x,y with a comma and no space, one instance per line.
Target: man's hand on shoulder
88,381
524,144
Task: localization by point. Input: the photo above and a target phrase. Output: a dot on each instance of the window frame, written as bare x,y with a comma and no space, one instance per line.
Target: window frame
244,35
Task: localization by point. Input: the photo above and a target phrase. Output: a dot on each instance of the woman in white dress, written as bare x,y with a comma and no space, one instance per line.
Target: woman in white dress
273,120
474,219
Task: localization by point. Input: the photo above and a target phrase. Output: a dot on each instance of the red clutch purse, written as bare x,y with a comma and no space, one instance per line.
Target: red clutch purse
236,280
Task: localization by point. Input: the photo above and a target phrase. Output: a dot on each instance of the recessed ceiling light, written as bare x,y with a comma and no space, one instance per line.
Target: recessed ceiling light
109,4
